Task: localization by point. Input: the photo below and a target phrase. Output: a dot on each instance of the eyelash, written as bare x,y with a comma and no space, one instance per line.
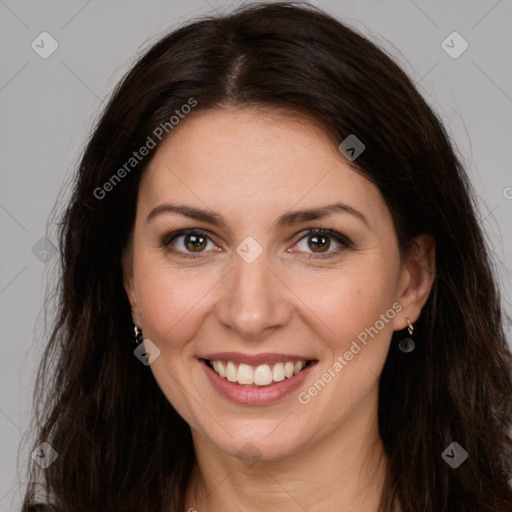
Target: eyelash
344,242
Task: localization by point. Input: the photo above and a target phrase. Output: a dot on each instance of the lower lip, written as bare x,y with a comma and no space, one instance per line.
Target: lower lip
256,395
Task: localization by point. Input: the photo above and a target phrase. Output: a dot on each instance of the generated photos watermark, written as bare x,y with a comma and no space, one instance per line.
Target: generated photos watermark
454,455
341,361
249,454
351,147
147,352
137,156
45,455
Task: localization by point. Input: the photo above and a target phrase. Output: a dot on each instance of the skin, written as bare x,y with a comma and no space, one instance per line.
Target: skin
250,167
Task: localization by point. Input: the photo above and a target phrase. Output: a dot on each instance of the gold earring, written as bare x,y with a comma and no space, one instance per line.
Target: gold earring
407,344
138,334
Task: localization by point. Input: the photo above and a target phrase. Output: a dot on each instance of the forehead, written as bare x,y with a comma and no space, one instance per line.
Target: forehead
253,159
266,141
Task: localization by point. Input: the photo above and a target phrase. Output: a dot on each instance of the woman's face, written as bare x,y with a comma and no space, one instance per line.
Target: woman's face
249,287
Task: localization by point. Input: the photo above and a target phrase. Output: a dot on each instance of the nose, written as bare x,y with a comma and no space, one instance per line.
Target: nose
254,300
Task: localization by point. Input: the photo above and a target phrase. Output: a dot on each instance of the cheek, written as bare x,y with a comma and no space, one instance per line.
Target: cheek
172,306
351,301
360,306
171,301
356,318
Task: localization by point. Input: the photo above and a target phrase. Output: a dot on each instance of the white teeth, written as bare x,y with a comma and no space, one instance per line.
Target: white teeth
220,369
231,373
298,366
261,375
245,374
278,372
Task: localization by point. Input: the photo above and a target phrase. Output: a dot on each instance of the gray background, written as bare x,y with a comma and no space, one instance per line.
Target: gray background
48,107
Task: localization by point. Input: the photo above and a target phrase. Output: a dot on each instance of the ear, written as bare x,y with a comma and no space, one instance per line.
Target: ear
128,281
416,279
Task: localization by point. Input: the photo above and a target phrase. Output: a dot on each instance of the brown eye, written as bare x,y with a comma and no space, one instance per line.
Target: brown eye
195,242
187,242
319,241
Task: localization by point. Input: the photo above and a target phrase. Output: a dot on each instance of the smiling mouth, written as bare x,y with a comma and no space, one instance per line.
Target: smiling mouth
261,375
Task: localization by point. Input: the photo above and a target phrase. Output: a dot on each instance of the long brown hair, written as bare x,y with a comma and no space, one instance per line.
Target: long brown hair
121,445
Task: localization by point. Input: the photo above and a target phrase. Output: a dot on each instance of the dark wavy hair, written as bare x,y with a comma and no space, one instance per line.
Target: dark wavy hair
121,444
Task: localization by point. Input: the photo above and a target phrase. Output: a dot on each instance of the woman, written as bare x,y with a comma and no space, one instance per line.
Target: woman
275,289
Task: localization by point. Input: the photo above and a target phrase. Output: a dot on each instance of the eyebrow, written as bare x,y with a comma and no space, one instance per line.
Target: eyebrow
286,220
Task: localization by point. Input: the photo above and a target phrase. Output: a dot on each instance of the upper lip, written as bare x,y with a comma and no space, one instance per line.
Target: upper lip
256,359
